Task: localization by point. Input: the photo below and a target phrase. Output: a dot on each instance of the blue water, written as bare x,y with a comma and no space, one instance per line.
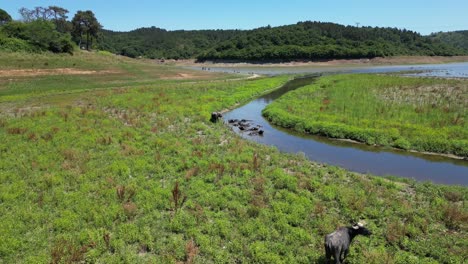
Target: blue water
452,70
356,157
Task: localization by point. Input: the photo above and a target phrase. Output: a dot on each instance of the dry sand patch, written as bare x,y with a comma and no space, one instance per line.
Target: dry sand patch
42,72
184,76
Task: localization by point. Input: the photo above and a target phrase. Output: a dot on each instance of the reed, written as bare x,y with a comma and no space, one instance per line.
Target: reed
422,114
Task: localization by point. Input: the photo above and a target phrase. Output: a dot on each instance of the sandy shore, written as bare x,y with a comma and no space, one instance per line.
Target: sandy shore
400,60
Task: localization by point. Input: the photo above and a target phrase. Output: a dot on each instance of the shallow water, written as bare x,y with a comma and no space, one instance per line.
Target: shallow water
452,70
355,157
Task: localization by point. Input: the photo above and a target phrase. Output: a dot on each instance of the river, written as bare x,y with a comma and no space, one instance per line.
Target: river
351,156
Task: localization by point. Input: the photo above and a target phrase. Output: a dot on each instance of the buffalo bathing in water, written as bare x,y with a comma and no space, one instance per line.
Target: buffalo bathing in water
337,243
246,126
215,116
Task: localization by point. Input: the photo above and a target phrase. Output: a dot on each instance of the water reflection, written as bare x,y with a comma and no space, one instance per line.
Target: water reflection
355,157
452,70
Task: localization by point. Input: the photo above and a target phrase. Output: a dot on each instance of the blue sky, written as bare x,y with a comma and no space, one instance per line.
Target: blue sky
418,15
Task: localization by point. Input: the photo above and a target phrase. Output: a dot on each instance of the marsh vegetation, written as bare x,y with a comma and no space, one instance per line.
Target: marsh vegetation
126,167
423,114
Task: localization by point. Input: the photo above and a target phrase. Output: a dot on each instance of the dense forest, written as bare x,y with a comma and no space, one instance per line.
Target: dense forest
317,40
154,42
48,29
458,39
302,41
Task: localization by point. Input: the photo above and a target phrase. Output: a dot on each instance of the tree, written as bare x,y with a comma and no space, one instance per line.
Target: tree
4,17
56,14
41,28
84,22
39,34
59,17
38,12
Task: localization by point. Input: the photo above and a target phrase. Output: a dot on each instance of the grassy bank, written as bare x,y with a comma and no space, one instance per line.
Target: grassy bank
420,114
137,174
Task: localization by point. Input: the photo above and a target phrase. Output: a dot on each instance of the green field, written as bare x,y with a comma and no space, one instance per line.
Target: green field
122,165
423,114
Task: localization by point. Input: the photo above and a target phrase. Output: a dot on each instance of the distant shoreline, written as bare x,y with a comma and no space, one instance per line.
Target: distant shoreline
397,60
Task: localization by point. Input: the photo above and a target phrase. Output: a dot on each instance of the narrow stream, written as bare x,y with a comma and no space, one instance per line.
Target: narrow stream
354,157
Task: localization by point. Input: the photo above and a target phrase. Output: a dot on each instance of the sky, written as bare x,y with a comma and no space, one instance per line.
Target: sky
424,17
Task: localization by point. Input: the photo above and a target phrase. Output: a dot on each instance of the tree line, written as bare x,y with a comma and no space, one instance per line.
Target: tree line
303,41
317,41
458,39
159,43
48,29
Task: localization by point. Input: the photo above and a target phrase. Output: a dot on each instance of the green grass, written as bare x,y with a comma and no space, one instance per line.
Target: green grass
422,114
103,72
91,175
81,60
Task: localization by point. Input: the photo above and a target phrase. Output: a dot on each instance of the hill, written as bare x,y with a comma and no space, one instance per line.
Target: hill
154,42
302,41
458,39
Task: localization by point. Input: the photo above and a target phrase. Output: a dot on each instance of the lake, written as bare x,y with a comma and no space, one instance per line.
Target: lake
451,70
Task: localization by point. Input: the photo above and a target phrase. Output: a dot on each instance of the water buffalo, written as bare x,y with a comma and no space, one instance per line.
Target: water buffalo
215,116
337,243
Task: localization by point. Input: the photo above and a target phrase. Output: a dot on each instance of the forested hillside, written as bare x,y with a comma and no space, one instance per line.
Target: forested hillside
48,29
317,40
304,40
458,39
159,43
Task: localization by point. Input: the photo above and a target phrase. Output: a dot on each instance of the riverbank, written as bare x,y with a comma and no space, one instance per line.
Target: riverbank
128,168
425,115
379,61
362,158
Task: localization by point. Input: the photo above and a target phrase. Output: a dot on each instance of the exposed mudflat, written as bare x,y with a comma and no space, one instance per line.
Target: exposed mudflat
58,71
399,60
